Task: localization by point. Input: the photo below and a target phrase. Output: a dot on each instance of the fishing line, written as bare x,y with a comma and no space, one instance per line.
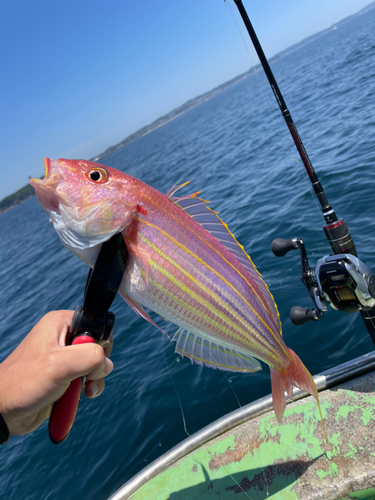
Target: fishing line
323,250
264,90
268,101
246,420
335,229
311,191
305,178
178,396
231,387
189,435
294,449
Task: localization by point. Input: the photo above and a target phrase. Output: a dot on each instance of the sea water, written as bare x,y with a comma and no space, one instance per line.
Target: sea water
237,150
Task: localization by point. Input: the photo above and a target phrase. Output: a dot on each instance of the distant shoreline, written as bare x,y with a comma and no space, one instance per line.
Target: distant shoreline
172,115
28,191
11,201
192,103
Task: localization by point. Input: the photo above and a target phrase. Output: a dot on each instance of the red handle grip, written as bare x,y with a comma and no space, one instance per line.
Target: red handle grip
65,409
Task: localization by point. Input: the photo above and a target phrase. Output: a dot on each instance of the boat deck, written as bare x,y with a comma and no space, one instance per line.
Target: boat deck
259,459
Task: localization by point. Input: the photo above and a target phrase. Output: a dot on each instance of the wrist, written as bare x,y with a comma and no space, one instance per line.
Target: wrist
4,431
4,427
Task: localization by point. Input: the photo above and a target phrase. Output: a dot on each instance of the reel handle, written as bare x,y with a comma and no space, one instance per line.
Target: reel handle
281,247
299,315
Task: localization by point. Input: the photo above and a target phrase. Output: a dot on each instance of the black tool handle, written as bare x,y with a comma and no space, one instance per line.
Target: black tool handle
91,322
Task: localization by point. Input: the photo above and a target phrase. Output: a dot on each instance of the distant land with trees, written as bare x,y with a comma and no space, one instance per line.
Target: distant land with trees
16,198
28,191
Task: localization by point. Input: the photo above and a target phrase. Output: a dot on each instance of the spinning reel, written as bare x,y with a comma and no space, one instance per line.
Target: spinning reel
341,281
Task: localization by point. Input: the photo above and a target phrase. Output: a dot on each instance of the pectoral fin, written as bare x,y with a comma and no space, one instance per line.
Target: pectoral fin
138,309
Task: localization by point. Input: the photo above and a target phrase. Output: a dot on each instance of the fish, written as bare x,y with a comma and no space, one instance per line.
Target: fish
183,263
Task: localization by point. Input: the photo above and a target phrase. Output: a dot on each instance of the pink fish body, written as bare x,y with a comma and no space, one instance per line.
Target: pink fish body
183,263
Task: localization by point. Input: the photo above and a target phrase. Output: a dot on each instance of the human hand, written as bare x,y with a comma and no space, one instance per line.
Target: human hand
40,369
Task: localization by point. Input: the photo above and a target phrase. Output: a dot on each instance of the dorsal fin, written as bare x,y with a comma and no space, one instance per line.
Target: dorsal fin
199,210
176,187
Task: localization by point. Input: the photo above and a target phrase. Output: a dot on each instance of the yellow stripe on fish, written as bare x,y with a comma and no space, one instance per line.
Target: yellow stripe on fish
185,226
88,203
244,338
193,309
171,238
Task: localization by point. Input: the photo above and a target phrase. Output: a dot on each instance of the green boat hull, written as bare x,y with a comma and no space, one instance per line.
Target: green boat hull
260,459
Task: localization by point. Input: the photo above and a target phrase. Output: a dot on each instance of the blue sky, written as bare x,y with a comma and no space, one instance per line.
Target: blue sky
79,76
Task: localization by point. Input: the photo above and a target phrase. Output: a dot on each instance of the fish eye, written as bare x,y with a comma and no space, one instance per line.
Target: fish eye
97,175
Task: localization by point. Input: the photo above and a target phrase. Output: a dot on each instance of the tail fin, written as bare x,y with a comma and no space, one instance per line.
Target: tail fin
283,380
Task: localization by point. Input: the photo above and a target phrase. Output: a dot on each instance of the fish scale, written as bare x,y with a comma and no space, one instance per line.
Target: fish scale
204,283
181,230
238,284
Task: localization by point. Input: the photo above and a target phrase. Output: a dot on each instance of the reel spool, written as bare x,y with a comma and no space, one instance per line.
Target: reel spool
341,281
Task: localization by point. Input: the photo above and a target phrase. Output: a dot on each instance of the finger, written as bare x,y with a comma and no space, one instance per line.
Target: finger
94,388
80,360
57,323
107,345
108,348
102,371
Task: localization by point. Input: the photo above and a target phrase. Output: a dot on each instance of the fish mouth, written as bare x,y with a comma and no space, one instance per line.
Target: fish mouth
45,189
47,167
47,171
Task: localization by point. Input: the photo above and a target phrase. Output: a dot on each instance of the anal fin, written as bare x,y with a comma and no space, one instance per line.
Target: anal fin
204,351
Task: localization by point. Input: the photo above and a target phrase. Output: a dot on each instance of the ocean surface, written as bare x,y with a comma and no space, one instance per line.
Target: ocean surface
237,150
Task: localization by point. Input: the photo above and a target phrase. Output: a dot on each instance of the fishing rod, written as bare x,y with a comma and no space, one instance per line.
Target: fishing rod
335,229
341,280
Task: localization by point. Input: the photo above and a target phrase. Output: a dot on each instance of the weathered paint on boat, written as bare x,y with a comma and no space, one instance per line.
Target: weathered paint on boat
260,458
